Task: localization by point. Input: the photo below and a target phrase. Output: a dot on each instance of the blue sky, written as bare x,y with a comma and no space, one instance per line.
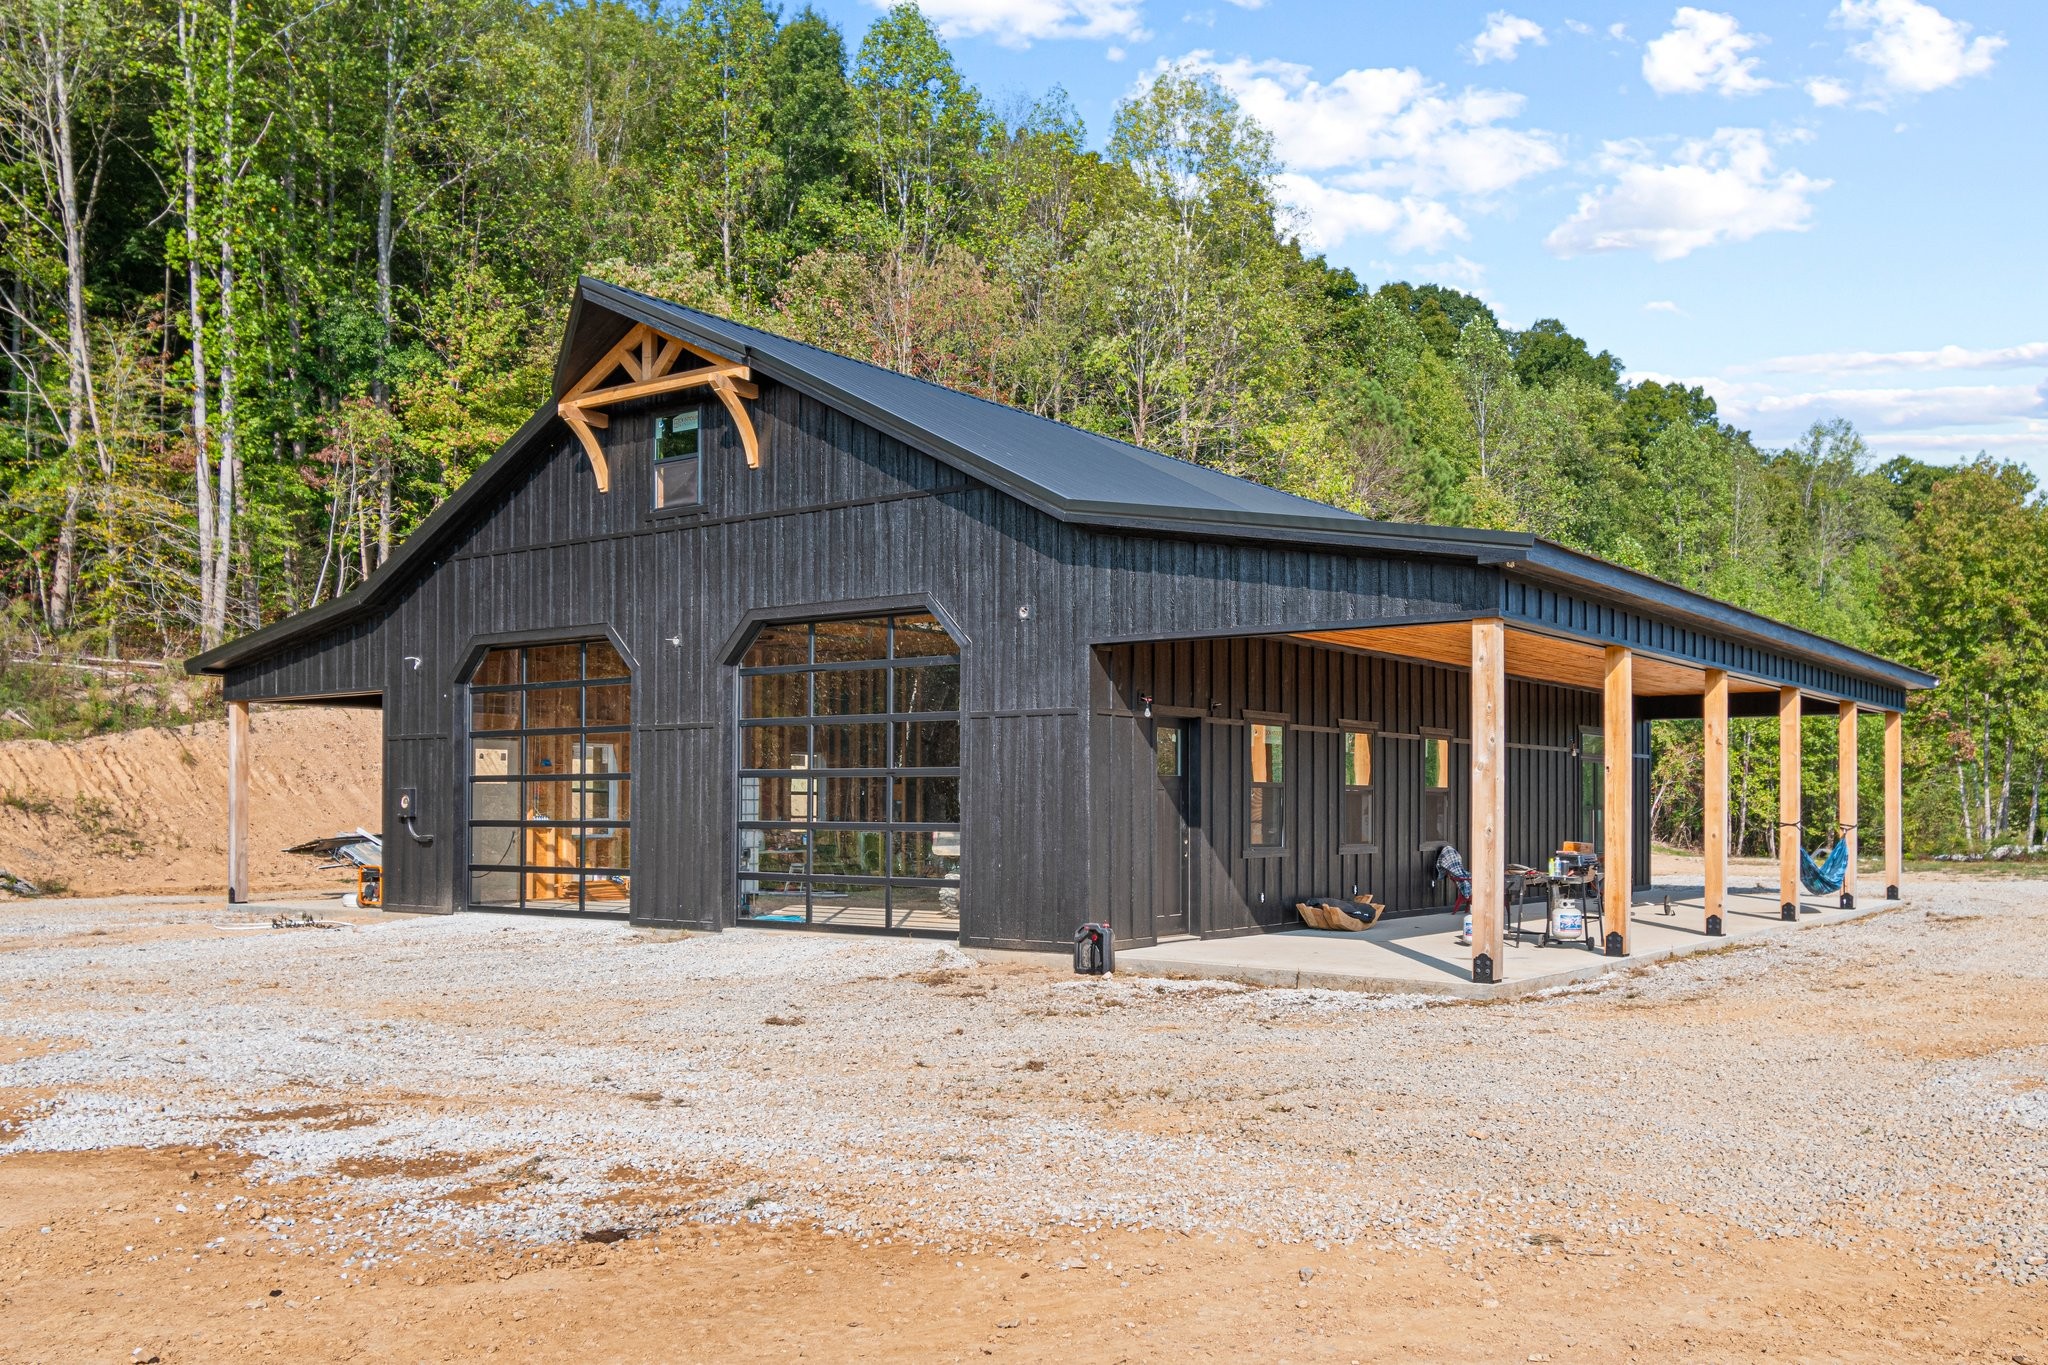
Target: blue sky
1816,210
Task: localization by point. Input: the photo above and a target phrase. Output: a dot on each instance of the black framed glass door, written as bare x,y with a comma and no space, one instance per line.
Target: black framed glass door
551,779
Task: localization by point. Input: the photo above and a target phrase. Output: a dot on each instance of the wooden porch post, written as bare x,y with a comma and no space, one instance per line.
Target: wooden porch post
1617,863
238,802
1714,827
1894,803
1845,770
1489,798
1788,803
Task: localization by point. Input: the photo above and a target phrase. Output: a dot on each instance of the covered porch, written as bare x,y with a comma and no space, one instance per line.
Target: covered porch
1635,685
1420,955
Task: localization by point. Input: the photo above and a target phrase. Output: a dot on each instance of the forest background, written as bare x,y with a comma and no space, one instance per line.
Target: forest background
277,275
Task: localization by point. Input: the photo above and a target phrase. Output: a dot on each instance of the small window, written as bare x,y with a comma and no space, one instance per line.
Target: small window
1269,767
1166,748
1436,789
1356,814
678,474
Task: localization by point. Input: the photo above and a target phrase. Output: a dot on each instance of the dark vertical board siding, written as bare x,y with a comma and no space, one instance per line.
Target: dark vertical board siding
1058,799
1316,690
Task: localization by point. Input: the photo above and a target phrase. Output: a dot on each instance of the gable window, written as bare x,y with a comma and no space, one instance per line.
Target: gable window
1269,767
1355,811
1436,789
678,469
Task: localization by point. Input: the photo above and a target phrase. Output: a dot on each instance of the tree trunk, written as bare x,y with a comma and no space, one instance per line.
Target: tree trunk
230,454
202,456
2034,808
386,160
2005,784
1742,799
64,564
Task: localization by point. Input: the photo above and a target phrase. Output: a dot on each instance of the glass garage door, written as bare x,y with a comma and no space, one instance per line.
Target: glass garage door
849,776
551,779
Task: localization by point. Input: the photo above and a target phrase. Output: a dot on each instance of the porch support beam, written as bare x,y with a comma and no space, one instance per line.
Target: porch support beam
1617,861
1894,803
1789,833
1489,798
1846,801
1714,826
238,802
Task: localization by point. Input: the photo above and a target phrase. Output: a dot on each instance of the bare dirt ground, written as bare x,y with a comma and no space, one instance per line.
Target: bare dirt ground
440,1139
143,812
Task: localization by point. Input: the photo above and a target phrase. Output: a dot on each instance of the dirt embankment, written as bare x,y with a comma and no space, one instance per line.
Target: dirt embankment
146,810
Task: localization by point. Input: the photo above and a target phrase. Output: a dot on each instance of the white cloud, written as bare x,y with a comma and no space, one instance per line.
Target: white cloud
1381,151
1019,23
2026,355
1503,35
1935,421
1664,306
1334,213
1580,27
1724,188
1826,92
1940,406
1249,4
1914,48
1388,129
1704,50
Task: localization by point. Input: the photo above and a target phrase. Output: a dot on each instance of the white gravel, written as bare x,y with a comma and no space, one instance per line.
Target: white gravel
907,1092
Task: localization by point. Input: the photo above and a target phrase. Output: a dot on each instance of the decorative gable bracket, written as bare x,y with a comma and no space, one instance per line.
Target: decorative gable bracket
648,360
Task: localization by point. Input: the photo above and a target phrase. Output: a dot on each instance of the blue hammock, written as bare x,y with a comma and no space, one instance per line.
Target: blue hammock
1824,879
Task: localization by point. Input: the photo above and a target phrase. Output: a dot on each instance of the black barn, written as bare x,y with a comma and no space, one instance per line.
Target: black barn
737,631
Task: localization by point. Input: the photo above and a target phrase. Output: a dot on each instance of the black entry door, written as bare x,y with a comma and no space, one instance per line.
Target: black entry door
1173,877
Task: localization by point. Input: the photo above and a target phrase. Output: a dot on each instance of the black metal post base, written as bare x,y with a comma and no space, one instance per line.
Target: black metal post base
1788,912
1615,948
1713,926
1848,901
1482,969
1891,893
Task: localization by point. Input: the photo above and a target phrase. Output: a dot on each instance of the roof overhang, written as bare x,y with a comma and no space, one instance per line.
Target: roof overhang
602,314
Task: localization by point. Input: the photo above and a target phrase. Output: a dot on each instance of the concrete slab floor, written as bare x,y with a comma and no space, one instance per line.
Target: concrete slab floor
1420,954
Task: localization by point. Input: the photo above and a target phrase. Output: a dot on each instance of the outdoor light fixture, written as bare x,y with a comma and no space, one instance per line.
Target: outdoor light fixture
1148,706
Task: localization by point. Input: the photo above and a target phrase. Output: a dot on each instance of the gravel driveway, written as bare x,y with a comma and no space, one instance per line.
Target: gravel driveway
1880,1086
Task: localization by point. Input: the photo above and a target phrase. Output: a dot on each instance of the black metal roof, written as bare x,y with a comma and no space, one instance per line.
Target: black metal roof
1074,475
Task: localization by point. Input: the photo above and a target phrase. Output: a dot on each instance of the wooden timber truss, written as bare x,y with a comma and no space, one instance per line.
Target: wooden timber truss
648,359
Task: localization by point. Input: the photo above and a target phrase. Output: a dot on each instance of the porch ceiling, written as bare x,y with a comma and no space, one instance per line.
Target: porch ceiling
1530,655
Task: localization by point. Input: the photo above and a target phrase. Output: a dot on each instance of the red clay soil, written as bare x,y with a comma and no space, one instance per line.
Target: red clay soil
144,812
